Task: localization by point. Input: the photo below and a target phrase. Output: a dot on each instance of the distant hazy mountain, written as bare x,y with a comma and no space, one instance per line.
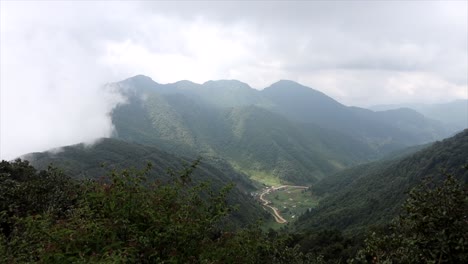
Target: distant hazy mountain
385,131
454,114
372,194
287,131
95,161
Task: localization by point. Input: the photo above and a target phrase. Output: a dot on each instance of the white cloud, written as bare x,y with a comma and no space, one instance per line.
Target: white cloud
51,87
197,51
55,55
371,87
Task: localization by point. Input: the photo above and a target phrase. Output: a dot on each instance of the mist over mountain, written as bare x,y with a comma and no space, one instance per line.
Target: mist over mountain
233,132
267,138
353,166
285,133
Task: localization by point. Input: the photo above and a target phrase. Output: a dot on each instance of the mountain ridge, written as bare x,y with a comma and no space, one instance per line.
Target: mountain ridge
453,114
292,120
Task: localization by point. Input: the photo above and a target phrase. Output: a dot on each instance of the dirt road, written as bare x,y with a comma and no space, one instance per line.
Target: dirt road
278,218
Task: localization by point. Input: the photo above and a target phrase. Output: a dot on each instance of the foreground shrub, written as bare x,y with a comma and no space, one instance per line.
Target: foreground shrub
125,218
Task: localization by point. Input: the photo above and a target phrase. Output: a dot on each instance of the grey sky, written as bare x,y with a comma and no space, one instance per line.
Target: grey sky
55,55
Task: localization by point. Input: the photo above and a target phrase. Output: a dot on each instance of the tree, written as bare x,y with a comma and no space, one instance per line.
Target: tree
25,191
125,218
432,229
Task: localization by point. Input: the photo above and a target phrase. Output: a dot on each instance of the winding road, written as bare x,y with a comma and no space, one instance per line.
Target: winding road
278,218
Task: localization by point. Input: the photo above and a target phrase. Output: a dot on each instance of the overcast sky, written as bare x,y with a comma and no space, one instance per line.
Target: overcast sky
56,55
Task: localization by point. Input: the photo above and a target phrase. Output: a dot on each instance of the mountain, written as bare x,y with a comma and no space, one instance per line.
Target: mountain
453,114
282,132
385,131
286,133
265,145
221,93
371,194
97,160
264,142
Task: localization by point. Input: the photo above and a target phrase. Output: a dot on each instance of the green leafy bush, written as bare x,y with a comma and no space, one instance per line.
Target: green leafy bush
125,218
432,229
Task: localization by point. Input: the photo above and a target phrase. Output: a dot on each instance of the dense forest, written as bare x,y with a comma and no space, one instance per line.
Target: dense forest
372,194
46,216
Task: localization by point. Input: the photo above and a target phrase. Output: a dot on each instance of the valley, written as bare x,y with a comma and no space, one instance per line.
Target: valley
237,132
294,161
272,142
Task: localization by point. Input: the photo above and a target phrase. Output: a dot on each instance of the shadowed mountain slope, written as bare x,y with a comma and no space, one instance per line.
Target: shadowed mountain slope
373,193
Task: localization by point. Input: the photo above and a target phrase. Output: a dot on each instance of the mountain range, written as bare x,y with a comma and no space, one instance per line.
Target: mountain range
290,132
317,174
286,133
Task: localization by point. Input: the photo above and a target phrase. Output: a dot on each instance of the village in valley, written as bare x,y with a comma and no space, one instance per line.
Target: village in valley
286,202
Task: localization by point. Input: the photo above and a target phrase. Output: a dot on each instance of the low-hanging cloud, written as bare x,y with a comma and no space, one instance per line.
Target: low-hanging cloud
53,90
56,56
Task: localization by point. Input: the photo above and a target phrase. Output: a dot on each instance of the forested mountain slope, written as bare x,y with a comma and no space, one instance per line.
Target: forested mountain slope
372,194
252,138
391,128
384,130
81,161
287,131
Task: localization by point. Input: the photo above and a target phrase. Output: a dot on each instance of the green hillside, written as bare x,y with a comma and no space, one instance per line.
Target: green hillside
266,142
372,194
81,161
